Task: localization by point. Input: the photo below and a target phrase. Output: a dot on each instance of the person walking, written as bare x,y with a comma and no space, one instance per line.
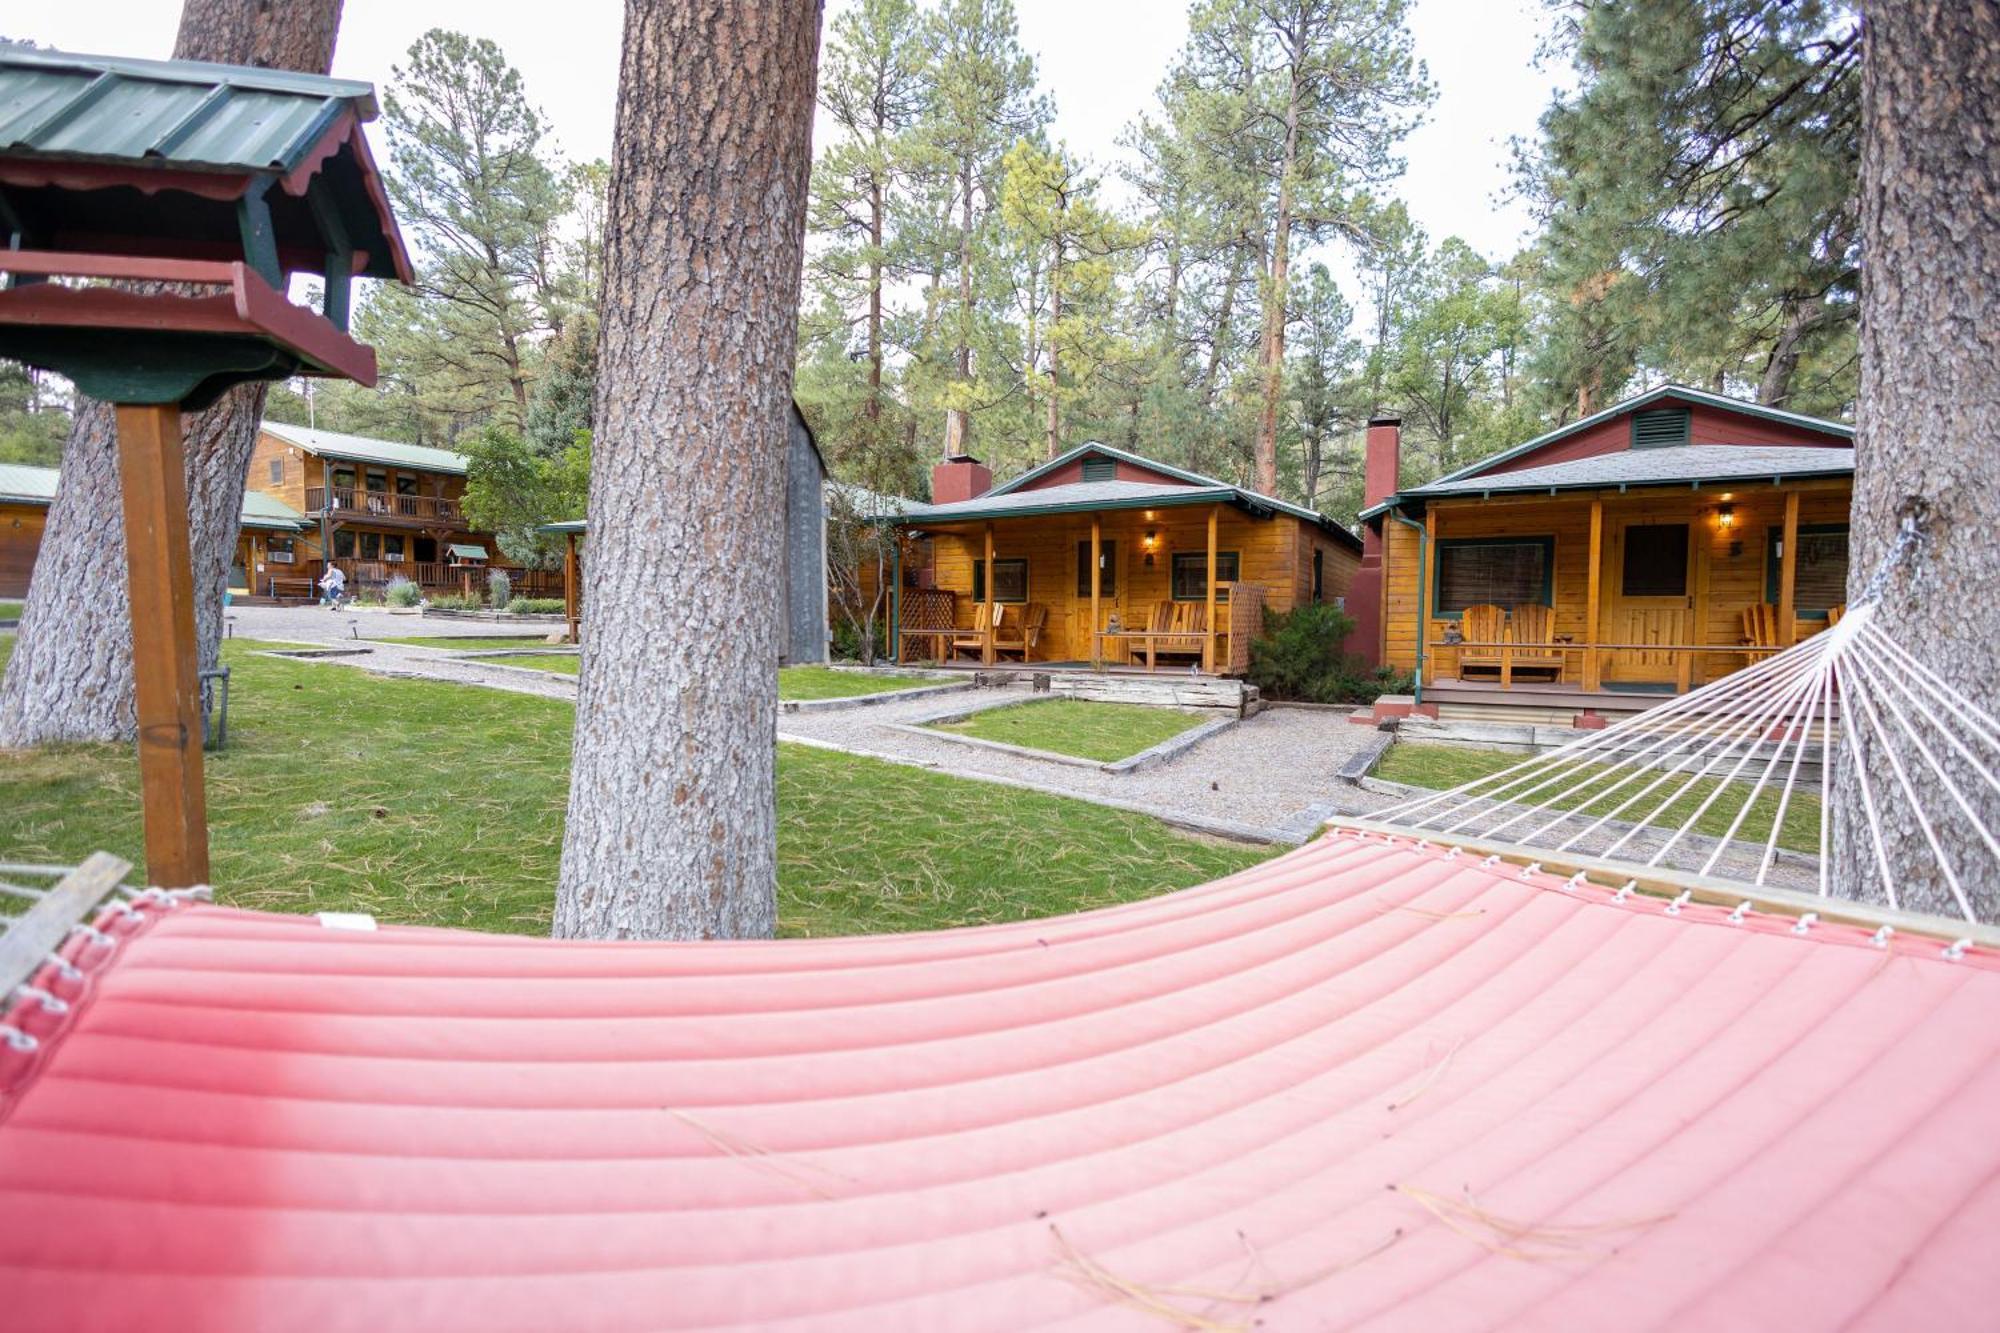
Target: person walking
331,585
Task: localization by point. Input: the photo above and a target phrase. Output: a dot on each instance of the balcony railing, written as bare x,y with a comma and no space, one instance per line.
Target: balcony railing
440,576
379,504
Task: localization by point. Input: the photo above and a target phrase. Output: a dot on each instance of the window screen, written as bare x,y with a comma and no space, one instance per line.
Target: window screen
343,544
1820,580
405,484
1100,469
1191,575
1504,572
371,546
1107,583
1010,581
1319,573
1656,560
425,548
277,470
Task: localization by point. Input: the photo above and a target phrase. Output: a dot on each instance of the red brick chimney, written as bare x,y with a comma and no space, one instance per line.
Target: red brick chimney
1381,465
960,477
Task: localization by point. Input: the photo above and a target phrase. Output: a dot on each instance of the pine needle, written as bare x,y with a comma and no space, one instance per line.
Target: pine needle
752,1155
1080,1268
1505,1236
1429,1078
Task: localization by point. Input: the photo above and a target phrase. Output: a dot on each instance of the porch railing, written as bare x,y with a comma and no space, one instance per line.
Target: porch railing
433,576
1592,657
379,504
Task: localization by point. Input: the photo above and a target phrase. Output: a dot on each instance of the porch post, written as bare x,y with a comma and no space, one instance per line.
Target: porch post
1208,639
895,644
986,648
1788,572
1426,672
569,587
165,669
1096,582
1591,680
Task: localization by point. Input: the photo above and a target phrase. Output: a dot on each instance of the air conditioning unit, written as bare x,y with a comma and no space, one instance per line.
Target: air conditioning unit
392,559
279,557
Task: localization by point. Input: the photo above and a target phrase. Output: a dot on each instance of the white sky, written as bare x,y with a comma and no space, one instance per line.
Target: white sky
1101,59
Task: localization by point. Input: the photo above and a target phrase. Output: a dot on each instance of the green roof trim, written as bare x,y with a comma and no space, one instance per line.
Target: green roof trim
23,484
567,525
364,449
467,551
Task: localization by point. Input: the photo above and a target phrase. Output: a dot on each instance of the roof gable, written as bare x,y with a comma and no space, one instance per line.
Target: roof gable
363,449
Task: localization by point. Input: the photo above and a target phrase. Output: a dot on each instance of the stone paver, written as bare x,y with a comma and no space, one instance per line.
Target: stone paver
1272,776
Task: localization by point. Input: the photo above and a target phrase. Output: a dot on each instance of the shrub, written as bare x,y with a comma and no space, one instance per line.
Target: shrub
1300,657
457,601
499,588
536,606
401,592
847,645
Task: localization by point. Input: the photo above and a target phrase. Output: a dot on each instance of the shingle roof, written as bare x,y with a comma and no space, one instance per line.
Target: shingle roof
37,485
363,449
1679,464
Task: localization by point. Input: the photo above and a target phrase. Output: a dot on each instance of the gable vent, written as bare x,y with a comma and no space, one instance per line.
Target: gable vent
1661,428
1100,469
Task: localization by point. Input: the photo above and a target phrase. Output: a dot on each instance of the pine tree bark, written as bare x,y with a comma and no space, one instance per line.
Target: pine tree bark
672,829
70,677
1930,399
1277,293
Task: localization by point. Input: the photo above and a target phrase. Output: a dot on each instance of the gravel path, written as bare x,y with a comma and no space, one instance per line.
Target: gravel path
1270,778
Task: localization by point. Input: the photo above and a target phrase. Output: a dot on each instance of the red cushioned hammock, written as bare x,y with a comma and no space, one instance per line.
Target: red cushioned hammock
1364,1085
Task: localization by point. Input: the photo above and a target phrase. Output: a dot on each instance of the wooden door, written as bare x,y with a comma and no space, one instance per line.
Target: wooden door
1649,578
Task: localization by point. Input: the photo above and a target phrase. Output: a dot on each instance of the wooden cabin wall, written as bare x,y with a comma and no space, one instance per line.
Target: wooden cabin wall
20,538
1729,572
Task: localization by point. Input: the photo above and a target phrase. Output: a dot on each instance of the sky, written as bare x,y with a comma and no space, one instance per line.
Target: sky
1101,60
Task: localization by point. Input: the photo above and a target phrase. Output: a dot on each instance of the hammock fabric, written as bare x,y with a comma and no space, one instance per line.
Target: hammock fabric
1366,1085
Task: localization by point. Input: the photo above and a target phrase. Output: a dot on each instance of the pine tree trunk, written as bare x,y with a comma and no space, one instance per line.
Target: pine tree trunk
672,829
70,678
957,421
1275,298
1055,354
1930,398
872,409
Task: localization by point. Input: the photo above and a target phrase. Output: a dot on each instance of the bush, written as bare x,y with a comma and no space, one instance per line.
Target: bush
1301,657
846,644
401,592
457,601
499,588
536,606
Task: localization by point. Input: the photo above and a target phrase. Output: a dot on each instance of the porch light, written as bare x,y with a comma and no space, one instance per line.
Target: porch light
1725,515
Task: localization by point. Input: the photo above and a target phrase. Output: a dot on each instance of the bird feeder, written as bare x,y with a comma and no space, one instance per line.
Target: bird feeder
153,214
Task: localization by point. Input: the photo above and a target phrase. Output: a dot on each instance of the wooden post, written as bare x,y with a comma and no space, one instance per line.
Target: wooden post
165,668
1096,585
1208,639
1788,571
986,648
1593,586
1426,672
569,588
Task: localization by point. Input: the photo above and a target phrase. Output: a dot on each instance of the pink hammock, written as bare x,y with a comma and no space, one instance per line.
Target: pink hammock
1365,1085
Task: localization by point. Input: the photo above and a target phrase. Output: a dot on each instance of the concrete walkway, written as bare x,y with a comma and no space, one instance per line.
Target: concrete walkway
1271,778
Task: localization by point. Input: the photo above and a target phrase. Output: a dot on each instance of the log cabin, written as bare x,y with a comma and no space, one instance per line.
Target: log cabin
27,492
378,509
1675,537
1103,557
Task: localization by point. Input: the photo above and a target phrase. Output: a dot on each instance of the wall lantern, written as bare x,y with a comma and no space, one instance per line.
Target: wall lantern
1725,516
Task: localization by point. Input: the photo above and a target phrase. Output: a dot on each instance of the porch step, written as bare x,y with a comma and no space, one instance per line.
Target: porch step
1514,713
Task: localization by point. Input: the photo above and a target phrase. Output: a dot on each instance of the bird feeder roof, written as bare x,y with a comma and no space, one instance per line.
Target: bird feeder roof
112,155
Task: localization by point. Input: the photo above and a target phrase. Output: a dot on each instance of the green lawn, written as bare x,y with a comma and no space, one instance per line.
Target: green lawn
440,804
10,610
809,682
1100,731
566,664
471,641
1447,766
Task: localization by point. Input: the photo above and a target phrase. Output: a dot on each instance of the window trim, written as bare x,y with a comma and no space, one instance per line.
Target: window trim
1221,594
1443,544
276,471
979,581
1109,584
1774,534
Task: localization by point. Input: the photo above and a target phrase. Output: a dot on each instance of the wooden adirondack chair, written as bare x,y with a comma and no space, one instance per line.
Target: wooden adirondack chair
1533,629
1834,613
1481,625
1025,634
1184,629
1760,630
974,640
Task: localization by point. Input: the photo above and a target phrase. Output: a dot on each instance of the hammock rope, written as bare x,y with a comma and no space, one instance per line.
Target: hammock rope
1719,782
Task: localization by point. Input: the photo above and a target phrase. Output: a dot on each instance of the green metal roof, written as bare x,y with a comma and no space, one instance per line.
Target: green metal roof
179,113
567,525
467,550
22,484
364,449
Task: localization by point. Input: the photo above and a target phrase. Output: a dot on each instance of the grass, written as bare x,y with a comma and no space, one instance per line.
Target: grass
471,641
1446,766
810,682
439,804
1100,731
566,664
10,610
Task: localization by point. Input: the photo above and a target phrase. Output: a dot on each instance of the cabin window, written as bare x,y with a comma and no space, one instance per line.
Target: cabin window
392,548
1493,571
1010,581
371,546
277,471
1820,579
1191,574
1656,561
405,484
1319,574
280,551
1100,469
343,545
343,477
1662,428
425,549
1107,583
